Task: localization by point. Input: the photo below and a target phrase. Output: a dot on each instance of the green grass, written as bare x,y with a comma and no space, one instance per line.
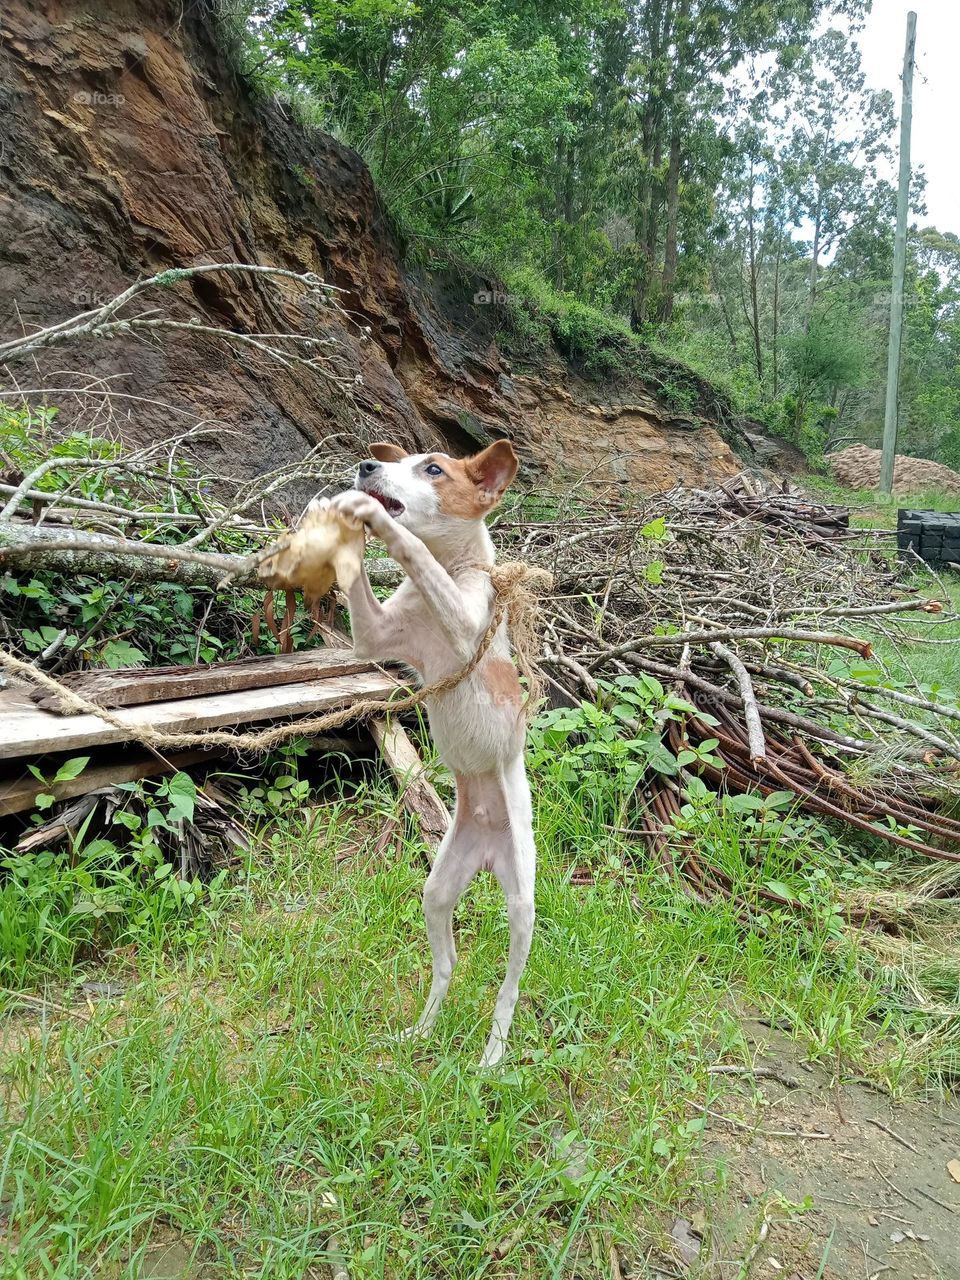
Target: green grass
936,666
933,666
872,510
597,344
246,1106
247,1098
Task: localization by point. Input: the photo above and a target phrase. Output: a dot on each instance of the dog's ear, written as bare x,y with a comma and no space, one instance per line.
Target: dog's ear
493,469
384,452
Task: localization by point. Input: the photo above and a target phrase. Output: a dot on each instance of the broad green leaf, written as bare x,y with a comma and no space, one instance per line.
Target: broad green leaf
776,886
71,769
779,799
744,804
182,794
697,789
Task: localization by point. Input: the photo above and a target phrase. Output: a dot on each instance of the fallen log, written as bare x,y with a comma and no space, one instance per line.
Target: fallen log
26,546
416,790
403,760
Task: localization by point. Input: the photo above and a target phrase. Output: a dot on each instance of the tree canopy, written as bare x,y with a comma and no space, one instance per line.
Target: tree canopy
715,173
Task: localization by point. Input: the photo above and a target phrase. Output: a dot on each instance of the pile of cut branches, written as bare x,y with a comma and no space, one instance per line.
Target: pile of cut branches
777,639
785,636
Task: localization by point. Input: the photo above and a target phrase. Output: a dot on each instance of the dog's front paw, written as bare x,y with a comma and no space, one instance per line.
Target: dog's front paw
358,506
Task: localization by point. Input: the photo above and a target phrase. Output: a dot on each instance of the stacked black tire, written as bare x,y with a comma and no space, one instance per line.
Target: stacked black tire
933,535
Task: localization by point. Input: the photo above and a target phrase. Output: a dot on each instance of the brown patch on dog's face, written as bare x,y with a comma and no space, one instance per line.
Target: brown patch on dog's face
457,494
502,682
384,452
470,487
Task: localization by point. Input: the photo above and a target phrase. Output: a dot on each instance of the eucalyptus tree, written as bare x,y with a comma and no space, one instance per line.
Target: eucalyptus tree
838,141
671,123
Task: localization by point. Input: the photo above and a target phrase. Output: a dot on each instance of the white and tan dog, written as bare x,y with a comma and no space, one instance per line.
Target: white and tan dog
429,510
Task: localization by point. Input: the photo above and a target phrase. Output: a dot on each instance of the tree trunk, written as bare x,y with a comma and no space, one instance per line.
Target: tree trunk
652,238
677,96
658,19
670,251
754,281
775,351
814,261
724,310
641,287
569,181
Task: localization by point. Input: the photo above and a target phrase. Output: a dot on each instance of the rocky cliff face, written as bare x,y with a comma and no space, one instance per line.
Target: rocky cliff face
130,146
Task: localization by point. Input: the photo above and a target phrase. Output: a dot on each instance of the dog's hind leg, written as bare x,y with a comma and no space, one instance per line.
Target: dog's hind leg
514,864
457,862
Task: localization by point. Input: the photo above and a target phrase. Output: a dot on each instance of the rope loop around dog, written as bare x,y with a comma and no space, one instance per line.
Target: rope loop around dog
515,583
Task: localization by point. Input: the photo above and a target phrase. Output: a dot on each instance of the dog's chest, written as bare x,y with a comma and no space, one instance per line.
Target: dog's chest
478,724
422,641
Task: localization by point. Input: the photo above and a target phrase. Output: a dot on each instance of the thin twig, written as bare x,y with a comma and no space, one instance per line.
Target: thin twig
896,1136
760,1073
640,643
763,1133
892,1187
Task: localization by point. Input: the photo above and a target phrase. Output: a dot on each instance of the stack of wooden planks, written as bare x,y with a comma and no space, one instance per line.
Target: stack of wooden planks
189,699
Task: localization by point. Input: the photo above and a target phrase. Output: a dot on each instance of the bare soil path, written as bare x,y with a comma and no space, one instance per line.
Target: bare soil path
885,1204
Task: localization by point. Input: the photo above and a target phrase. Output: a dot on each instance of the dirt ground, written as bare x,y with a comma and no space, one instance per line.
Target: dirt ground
885,1206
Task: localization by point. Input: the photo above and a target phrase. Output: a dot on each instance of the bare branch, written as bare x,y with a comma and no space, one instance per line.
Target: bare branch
751,712
67,550
89,321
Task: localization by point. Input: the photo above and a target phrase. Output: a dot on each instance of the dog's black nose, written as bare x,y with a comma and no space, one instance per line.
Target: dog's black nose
369,467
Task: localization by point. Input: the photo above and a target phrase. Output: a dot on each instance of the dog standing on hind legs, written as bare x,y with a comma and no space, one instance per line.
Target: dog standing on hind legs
429,510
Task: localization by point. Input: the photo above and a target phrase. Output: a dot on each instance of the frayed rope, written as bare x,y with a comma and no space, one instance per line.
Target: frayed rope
517,585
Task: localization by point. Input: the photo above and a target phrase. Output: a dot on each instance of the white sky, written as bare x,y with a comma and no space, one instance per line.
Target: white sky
936,92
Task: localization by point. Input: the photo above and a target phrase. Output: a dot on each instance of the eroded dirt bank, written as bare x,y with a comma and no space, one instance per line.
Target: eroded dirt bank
131,146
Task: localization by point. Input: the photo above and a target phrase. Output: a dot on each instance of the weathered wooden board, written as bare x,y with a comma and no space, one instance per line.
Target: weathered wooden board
27,730
20,794
133,686
416,790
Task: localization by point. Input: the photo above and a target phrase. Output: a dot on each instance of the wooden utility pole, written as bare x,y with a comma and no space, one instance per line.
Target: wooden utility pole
899,265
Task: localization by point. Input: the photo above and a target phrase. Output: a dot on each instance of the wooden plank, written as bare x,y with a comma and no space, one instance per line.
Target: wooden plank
416,791
21,794
133,686
26,730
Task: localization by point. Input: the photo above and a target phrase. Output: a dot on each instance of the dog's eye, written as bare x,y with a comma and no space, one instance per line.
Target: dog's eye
433,470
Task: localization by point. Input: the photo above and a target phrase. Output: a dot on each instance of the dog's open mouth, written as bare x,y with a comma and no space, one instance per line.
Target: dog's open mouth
390,505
